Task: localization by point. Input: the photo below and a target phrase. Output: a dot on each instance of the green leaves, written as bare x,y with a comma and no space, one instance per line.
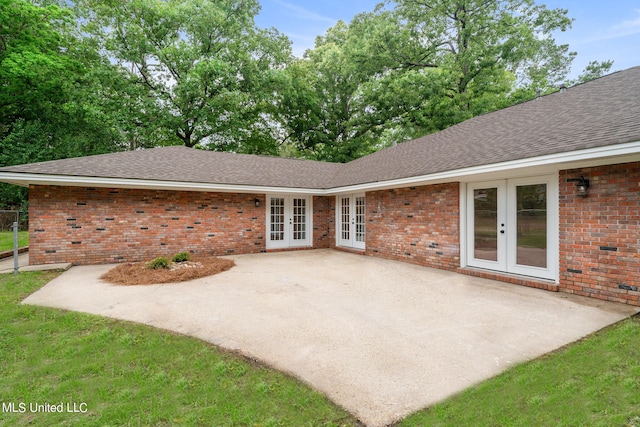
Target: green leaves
417,67
203,63
107,75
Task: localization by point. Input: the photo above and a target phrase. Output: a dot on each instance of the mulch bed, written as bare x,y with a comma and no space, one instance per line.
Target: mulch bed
138,274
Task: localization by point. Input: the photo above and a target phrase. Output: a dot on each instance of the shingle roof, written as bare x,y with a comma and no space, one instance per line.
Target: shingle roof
182,164
602,112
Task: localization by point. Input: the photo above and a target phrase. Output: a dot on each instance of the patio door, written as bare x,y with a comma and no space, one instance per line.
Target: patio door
351,220
288,221
512,226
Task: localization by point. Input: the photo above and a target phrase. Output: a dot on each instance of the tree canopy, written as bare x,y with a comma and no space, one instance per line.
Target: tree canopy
96,76
204,73
44,75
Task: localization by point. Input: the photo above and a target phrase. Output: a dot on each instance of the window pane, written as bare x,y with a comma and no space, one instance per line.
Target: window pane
299,219
345,218
485,217
532,225
277,219
360,219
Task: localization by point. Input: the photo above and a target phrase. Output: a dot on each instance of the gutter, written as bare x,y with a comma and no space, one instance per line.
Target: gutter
620,153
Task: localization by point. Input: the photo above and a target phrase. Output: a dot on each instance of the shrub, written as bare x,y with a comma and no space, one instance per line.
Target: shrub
181,257
160,262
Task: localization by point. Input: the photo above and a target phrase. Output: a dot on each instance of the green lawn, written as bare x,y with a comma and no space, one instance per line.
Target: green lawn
6,240
595,382
134,375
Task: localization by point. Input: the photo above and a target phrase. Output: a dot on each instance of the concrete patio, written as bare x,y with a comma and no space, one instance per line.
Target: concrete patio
380,338
7,265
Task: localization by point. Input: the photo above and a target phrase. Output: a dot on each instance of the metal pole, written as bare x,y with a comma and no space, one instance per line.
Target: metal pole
15,247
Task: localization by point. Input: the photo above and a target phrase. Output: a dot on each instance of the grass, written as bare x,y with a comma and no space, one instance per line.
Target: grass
134,375
6,240
595,382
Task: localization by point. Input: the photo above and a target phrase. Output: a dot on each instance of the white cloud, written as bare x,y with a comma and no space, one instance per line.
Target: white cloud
632,26
306,14
623,29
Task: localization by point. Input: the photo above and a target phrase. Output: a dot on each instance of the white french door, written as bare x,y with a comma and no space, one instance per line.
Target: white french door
512,226
351,220
288,221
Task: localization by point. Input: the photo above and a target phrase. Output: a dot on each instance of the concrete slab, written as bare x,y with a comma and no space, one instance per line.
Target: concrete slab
381,338
45,267
7,266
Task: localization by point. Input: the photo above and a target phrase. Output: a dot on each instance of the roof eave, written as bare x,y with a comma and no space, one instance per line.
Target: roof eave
619,153
598,156
27,179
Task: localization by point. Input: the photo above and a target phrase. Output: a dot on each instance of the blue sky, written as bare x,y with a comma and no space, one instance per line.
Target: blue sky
602,29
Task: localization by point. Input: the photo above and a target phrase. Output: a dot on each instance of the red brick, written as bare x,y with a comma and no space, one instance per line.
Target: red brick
605,216
420,225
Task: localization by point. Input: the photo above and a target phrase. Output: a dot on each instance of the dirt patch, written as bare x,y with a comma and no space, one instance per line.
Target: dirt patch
138,274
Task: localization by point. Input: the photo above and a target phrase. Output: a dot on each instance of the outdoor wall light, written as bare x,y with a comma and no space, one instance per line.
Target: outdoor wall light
581,184
257,202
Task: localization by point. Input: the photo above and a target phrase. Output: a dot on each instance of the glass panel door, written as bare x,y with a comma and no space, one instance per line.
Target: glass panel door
359,241
351,217
512,226
276,233
486,223
531,223
533,236
345,219
289,222
299,219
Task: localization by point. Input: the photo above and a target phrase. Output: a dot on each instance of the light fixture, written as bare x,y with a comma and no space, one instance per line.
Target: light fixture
257,202
581,184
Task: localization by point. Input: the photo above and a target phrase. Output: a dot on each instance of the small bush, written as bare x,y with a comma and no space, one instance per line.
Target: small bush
181,257
160,262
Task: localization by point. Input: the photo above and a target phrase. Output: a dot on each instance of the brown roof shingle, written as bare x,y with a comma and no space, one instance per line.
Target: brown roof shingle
182,164
602,112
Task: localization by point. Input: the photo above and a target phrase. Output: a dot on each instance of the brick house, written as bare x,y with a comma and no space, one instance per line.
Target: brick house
545,194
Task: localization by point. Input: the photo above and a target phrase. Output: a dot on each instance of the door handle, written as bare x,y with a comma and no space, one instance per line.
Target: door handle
501,231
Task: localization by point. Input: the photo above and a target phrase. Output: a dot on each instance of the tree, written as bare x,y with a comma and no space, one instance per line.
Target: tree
42,75
421,66
594,70
322,105
329,109
475,37
199,72
30,57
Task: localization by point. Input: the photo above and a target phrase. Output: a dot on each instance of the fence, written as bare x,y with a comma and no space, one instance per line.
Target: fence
7,218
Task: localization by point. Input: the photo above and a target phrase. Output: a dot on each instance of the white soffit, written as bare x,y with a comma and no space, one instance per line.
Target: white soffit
599,156
612,154
26,179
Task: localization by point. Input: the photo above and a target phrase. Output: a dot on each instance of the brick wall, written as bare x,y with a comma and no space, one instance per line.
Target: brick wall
324,232
420,225
101,225
600,234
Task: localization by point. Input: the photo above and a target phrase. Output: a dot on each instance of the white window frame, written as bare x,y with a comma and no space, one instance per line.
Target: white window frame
289,240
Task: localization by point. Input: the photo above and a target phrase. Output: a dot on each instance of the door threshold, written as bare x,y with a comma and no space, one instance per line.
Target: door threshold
516,279
350,250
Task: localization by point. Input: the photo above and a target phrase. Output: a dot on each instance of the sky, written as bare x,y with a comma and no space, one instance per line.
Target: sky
602,29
